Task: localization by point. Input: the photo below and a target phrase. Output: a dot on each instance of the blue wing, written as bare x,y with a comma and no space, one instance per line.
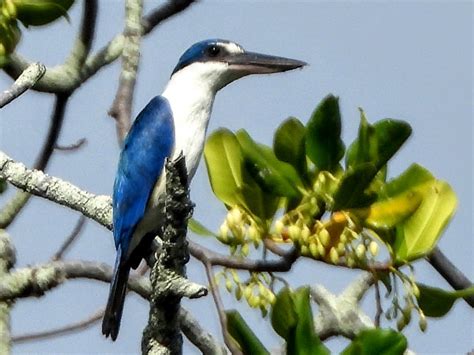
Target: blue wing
148,144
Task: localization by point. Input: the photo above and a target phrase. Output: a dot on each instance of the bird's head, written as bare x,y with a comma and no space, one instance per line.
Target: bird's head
218,62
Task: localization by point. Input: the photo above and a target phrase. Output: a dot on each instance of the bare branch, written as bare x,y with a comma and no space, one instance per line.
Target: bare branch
96,207
121,109
66,77
35,281
15,205
7,260
450,272
25,81
206,255
203,340
158,15
71,147
70,239
64,330
231,344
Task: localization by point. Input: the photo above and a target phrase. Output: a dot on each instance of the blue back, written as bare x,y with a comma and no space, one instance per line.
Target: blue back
149,142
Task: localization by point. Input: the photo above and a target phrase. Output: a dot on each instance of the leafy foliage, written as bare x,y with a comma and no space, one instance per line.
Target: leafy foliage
297,192
377,341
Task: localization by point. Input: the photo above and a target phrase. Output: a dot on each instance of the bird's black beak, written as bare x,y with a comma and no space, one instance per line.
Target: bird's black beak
256,63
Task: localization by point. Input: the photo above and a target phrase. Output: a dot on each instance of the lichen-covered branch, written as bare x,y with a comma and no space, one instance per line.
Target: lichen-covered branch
121,109
341,314
7,260
67,77
162,334
203,340
25,81
36,280
96,207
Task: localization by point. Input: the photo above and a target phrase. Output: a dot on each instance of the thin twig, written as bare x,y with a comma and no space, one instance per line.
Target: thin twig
13,207
64,330
206,255
450,273
378,304
122,106
70,239
220,310
25,81
71,147
158,15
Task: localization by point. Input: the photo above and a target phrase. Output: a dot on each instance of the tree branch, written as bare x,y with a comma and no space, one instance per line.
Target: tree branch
450,272
70,239
64,330
231,344
15,205
202,339
35,281
7,260
162,334
121,109
66,78
25,81
96,207
206,255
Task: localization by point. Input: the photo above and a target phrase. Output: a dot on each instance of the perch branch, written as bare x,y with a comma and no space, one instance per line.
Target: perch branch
25,81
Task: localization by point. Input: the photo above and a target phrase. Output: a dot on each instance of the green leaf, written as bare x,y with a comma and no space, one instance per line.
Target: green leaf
292,319
243,335
273,175
283,315
289,144
306,341
41,12
418,235
377,342
364,148
436,302
230,182
388,213
391,134
323,135
377,143
197,228
224,165
414,176
354,182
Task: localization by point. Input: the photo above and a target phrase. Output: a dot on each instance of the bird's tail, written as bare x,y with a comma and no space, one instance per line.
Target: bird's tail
118,288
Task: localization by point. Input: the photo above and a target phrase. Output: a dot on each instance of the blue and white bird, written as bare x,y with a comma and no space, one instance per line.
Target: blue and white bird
174,122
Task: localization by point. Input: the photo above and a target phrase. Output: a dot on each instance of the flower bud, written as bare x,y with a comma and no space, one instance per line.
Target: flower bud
360,251
373,248
254,301
305,232
247,292
228,285
313,249
238,293
321,250
279,226
423,324
333,255
245,250
253,233
294,232
304,250
324,237
224,230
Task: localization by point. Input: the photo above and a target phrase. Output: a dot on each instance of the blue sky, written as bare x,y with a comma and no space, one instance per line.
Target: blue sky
406,60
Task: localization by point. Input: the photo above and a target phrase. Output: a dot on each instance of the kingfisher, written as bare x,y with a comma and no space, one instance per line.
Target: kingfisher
172,123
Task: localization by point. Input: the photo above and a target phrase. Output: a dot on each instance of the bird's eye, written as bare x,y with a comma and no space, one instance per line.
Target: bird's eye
213,51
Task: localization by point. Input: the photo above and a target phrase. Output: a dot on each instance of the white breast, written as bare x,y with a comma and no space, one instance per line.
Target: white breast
190,93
